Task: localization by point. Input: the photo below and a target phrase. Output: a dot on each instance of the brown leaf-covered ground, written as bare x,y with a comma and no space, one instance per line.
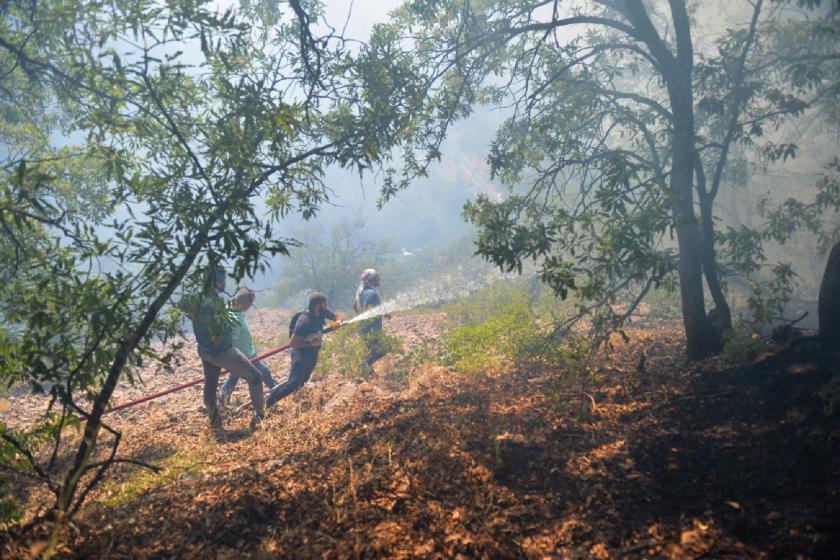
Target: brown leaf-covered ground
662,461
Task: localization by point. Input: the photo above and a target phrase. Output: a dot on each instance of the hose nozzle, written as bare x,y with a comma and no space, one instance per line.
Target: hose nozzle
334,326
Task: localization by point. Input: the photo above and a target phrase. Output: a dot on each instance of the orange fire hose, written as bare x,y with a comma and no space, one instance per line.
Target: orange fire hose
193,382
333,326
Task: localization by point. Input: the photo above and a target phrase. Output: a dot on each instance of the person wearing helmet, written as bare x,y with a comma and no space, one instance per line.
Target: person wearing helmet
242,302
305,343
213,327
368,297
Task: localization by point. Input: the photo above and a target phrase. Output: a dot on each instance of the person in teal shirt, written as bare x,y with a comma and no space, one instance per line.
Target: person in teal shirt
242,302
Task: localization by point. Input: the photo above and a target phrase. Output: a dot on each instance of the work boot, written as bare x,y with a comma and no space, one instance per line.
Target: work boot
216,423
257,421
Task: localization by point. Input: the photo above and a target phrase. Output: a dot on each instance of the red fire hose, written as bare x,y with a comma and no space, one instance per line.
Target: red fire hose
191,383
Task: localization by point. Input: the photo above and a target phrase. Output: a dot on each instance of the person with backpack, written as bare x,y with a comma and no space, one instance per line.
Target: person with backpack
242,302
305,335
368,297
213,326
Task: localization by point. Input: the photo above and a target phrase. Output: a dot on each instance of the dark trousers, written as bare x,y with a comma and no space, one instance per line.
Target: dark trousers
373,355
232,380
303,363
237,364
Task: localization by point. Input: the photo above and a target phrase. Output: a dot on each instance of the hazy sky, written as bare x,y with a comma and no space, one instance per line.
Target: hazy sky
430,210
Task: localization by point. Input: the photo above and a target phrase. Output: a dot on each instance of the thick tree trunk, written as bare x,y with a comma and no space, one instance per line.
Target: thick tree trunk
829,303
702,340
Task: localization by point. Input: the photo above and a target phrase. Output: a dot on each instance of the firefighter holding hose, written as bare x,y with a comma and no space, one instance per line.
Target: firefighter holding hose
242,340
305,335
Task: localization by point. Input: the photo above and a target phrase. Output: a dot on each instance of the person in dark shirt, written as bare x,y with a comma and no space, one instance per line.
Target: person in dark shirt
214,326
305,342
368,297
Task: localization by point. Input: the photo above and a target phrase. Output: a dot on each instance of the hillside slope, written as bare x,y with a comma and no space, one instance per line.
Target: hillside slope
659,461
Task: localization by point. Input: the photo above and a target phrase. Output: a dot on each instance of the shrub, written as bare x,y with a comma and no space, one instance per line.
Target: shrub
499,342
488,303
740,345
509,326
346,352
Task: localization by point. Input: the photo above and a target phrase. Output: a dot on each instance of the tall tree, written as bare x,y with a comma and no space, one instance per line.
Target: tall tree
191,113
609,151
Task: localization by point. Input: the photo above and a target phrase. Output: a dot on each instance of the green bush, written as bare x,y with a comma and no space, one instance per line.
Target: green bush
490,344
509,326
509,338
489,302
345,352
740,345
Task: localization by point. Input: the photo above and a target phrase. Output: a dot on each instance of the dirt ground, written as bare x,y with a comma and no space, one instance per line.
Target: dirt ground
642,457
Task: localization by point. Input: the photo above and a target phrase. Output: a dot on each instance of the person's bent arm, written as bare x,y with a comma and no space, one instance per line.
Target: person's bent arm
298,342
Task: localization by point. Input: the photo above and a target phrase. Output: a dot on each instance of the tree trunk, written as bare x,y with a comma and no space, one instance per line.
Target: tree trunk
829,303
93,424
721,315
702,340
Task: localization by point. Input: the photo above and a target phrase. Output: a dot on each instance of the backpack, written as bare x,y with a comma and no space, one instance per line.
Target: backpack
294,320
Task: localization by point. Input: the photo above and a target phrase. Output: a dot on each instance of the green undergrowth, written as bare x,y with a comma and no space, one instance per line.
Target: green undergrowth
120,492
345,351
37,439
510,326
740,345
504,327
664,301
9,507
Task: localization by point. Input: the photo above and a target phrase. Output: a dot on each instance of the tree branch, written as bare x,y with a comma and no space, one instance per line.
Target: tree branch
736,112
